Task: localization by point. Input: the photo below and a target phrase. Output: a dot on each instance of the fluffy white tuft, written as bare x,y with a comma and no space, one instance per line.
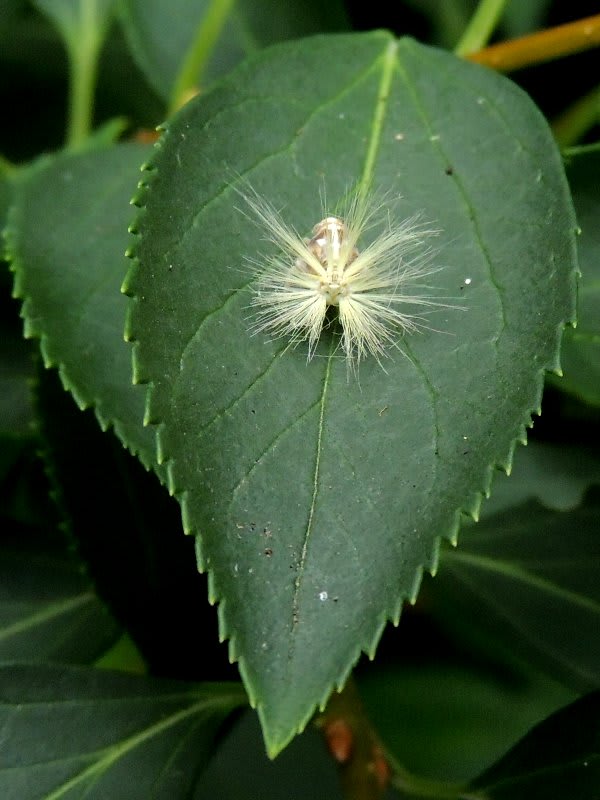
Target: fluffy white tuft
375,290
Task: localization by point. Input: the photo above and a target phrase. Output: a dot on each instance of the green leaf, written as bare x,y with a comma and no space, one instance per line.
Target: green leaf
560,757
16,371
161,34
445,722
83,25
78,18
448,20
75,733
522,18
141,565
558,476
10,10
304,770
16,365
581,346
68,268
6,190
320,500
48,610
122,656
529,576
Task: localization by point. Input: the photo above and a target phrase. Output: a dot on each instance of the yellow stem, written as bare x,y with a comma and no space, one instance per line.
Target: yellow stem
536,48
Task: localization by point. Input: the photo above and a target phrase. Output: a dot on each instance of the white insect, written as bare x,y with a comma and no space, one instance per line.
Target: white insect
375,290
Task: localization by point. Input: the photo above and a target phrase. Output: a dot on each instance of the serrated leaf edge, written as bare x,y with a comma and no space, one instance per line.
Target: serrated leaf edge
470,509
9,237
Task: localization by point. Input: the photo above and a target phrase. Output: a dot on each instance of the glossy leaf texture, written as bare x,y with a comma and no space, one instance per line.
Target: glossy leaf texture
66,241
161,34
560,757
528,576
581,347
84,733
318,497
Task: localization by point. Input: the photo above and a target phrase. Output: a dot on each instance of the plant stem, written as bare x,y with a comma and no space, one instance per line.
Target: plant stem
480,27
366,770
581,150
83,67
543,46
84,30
577,120
199,52
83,25
354,745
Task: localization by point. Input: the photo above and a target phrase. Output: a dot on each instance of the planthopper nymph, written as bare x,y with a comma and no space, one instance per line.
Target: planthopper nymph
374,286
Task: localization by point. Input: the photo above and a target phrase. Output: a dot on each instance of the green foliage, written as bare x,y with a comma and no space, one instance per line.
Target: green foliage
527,565
558,758
219,34
162,732
581,346
49,611
469,717
68,269
74,18
305,484
318,498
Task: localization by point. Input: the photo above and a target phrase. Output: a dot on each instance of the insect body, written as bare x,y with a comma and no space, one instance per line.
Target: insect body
328,245
373,288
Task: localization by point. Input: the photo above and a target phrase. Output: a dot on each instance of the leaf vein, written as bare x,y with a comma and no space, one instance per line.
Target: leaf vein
469,206
279,435
313,503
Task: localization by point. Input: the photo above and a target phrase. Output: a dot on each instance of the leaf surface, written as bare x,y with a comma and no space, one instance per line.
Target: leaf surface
82,733
48,610
581,346
320,500
560,757
160,34
556,475
445,721
529,575
66,240
78,20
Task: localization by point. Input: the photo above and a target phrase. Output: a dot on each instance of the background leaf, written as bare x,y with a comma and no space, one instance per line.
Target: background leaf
48,609
161,34
140,564
78,19
305,769
448,722
35,72
557,476
75,733
581,346
68,270
528,577
560,757
16,365
521,18
319,501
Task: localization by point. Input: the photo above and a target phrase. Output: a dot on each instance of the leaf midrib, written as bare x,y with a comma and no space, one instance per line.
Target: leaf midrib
388,61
